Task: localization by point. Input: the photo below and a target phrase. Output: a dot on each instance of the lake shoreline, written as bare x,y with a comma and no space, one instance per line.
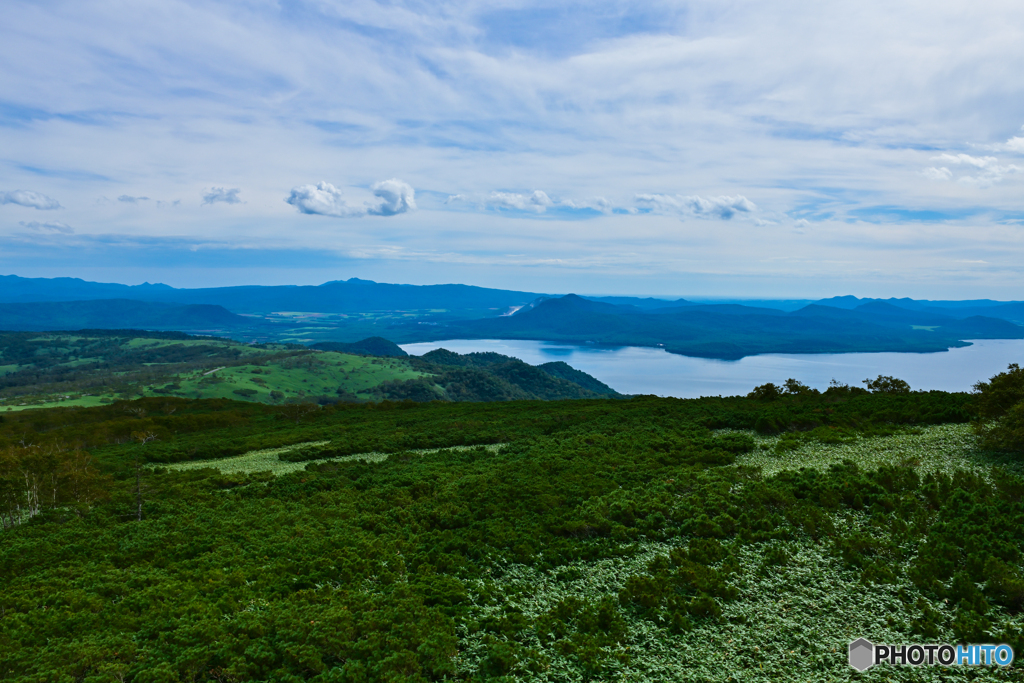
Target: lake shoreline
655,370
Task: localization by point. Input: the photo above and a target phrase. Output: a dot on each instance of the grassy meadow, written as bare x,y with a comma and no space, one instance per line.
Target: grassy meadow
319,374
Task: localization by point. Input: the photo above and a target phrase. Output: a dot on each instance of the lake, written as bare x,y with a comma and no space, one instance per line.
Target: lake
640,370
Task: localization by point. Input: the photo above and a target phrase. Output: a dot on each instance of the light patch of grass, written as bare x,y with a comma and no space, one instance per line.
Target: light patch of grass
266,460
940,448
52,402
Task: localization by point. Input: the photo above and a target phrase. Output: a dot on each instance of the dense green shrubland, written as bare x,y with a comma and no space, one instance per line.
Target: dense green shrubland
606,540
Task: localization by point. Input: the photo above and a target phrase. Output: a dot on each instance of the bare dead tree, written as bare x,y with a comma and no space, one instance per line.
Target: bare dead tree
143,438
298,410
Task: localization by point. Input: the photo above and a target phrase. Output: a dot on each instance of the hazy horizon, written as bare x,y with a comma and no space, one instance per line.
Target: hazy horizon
699,298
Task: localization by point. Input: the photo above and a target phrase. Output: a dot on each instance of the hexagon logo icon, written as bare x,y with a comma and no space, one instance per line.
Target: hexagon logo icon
862,654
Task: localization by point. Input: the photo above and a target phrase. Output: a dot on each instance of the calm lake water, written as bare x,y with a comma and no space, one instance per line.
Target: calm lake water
638,370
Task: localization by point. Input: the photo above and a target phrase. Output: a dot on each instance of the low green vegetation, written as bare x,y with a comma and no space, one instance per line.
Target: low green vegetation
84,368
89,369
297,375
645,539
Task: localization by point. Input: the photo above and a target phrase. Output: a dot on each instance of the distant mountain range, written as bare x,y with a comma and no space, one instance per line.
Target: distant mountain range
1005,310
116,314
343,311
349,296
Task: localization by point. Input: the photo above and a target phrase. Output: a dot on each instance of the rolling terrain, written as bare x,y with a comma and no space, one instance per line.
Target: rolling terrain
92,368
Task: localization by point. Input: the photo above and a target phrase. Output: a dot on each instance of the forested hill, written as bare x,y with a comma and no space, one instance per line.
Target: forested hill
493,361
734,331
372,346
492,377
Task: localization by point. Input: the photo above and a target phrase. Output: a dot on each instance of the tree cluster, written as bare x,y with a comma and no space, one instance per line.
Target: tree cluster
1000,410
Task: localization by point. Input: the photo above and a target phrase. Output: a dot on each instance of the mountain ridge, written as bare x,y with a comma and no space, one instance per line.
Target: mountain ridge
345,311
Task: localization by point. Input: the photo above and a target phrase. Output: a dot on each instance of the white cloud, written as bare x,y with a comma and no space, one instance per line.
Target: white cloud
220,194
33,200
937,173
597,204
980,171
322,199
128,199
536,201
396,197
992,176
1015,144
966,159
391,197
723,207
51,226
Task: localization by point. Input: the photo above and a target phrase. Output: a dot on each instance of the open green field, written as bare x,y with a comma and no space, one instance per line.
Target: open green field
592,540
298,376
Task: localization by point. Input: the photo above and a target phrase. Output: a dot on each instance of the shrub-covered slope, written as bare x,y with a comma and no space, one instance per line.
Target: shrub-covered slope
583,540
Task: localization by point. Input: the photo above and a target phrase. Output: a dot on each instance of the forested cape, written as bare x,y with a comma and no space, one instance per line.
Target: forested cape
601,539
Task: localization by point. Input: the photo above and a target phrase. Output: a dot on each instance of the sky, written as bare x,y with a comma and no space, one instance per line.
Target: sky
770,148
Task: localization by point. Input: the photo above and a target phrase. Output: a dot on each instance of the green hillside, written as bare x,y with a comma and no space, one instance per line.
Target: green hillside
295,376
91,368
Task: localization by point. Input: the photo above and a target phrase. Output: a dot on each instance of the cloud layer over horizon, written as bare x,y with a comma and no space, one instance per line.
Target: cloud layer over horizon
609,145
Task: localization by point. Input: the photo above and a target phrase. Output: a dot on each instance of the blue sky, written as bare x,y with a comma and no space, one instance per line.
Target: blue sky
776,148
